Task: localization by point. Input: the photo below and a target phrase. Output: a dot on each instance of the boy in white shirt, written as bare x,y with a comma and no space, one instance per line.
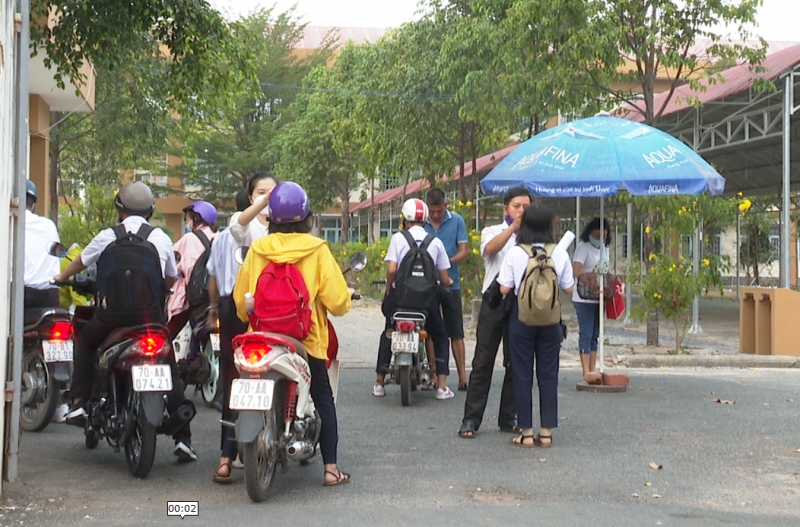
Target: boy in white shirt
415,214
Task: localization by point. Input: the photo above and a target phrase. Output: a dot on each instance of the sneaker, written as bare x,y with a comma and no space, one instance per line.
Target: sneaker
184,452
76,412
61,413
236,463
378,390
447,393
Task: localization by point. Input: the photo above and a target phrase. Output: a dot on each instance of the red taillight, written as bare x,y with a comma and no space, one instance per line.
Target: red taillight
61,331
151,344
253,352
406,326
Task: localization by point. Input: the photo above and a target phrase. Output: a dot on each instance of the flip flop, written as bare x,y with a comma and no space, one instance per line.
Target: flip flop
341,478
467,430
463,387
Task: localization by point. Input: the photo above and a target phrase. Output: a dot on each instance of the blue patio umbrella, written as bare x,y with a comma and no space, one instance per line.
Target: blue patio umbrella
598,157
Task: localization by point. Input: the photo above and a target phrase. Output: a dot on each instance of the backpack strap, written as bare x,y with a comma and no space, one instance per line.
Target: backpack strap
410,239
144,231
528,248
119,231
427,241
203,238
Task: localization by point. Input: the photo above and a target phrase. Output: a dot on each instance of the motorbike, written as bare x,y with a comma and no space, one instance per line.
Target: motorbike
47,349
128,403
277,419
46,363
197,355
409,366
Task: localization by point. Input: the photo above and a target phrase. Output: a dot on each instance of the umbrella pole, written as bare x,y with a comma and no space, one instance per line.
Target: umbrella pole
600,345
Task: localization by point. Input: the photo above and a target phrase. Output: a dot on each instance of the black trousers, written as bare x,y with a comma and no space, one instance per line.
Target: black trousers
322,395
85,369
41,298
229,326
492,328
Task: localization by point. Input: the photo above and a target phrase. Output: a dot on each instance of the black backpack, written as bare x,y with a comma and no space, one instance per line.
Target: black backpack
417,277
197,286
131,289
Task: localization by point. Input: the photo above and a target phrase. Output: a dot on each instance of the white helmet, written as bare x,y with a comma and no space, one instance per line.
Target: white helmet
415,210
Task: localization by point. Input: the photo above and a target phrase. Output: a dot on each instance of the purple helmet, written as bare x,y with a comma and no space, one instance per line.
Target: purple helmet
288,203
205,210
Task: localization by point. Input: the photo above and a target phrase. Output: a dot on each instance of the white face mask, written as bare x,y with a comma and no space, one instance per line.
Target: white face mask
259,199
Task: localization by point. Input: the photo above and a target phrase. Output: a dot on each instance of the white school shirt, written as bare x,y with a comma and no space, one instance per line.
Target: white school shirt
516,262
491,262
40,267
245,235
589,256
158,238
398,248
221,262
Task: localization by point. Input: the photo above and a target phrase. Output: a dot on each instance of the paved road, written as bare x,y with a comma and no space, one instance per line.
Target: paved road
722,464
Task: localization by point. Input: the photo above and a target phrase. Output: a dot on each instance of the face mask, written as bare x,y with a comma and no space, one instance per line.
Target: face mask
259,199
594,241
509,219
187,228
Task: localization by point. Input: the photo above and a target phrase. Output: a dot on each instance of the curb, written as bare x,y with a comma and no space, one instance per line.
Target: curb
714,361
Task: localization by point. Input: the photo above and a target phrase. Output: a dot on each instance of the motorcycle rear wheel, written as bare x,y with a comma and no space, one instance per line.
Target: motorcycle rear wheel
405,385
260,458
140,449
36,415
210,387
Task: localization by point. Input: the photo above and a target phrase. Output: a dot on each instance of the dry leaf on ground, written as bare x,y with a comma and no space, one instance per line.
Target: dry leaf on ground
655,465
724,401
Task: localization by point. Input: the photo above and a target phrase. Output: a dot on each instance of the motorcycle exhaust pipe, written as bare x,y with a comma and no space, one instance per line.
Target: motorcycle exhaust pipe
178,419
299,450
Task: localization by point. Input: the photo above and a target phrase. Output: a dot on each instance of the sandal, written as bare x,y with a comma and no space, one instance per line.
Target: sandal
431,386
463,387
543,441
467,430
221,478
341,478
521,440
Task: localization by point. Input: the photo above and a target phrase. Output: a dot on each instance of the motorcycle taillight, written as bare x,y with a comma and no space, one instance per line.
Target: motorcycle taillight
151,344
253,352
62,330
406,326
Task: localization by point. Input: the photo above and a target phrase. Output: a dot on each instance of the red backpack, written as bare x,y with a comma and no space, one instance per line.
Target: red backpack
281,302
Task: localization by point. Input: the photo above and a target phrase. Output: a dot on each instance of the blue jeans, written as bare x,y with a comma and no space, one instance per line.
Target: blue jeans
589,324
529,347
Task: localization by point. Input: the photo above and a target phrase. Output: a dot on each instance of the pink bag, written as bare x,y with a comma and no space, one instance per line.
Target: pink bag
615,306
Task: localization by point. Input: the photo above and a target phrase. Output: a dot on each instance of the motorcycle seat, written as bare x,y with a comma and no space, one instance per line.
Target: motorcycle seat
119,334
34,316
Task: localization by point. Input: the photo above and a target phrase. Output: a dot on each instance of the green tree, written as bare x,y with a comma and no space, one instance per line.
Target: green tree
232,145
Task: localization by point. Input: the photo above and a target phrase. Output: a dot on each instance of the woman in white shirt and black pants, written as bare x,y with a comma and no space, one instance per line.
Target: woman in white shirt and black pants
539,346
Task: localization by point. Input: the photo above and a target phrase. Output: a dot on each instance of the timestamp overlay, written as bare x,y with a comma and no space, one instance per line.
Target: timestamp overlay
183,508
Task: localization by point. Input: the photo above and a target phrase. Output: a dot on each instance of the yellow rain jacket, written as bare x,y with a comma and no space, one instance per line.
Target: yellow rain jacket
326,286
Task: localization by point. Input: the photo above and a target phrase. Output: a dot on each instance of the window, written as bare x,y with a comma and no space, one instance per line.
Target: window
686,245
331,229
624,241
716,245
158,183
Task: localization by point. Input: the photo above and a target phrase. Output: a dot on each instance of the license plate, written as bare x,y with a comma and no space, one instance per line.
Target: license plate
214,339
251,394
57,350
405,342
152,378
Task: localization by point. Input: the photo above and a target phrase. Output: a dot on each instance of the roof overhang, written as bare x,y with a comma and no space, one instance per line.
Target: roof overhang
72,98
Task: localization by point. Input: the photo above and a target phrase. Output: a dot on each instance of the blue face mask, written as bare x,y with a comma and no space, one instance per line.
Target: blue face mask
187,228
594,241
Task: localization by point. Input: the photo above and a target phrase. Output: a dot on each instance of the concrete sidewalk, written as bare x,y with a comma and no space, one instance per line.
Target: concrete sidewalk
716,346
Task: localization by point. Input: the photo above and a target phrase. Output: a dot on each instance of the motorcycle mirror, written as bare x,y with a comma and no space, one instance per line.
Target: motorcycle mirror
57,249
358,262
177,256
240,254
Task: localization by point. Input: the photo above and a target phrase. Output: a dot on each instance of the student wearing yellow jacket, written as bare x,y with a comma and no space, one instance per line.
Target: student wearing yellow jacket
289,241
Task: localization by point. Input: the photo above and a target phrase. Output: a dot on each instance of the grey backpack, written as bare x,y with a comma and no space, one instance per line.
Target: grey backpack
538,302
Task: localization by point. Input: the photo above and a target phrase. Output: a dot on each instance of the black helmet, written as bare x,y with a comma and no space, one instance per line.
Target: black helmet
135,199
30,189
